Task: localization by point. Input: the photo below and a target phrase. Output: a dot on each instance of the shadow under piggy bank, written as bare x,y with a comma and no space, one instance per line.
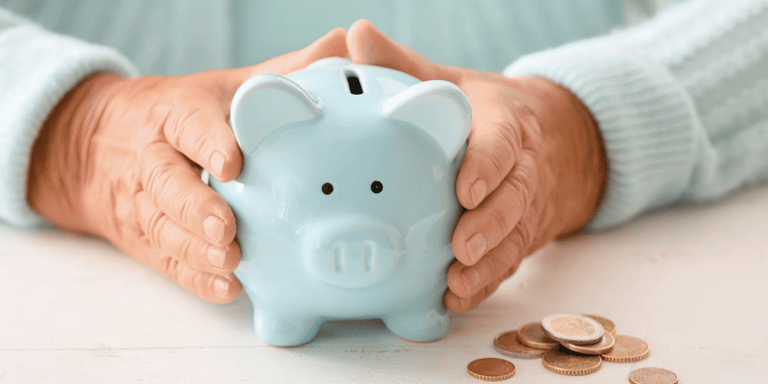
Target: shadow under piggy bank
346,203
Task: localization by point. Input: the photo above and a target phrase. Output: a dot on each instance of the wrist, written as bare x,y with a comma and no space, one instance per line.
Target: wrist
575,166
59,154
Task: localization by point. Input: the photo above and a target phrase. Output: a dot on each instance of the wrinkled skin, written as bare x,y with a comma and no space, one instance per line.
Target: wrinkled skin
120,159
534,170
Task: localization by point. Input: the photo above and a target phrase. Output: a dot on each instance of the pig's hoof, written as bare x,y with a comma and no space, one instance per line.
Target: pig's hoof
278,331
421,326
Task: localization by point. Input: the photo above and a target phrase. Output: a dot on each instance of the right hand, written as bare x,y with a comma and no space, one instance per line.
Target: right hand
120,159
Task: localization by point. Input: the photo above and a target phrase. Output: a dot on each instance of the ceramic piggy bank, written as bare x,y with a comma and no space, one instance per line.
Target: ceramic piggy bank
346,202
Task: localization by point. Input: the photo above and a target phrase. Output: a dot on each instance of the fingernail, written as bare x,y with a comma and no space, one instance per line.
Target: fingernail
217,256
476,246
217,163
221,287
214,228
471,278
477,191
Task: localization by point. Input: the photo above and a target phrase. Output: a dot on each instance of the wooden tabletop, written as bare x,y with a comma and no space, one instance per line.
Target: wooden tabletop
691,281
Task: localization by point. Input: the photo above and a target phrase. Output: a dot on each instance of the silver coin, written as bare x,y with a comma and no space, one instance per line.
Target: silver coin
572,329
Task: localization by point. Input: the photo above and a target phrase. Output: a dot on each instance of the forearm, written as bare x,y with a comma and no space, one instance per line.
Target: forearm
651,90
37,68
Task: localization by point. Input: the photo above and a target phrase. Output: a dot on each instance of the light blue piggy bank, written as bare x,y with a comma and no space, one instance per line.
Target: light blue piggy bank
346,203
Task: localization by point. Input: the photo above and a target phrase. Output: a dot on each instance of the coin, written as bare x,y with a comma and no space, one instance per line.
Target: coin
533,336
603,346
608,326
627,349
508,344
491,369
652,376
566,363
572,329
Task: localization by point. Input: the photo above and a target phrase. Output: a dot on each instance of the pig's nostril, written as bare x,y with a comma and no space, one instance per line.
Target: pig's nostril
369,253
337,258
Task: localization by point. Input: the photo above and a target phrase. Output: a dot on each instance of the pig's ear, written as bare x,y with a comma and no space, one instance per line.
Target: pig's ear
265,103
439,108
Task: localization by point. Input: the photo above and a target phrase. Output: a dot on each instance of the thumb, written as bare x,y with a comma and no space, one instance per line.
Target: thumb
368,45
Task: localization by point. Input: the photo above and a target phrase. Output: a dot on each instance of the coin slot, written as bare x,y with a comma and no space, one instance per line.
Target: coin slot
353,82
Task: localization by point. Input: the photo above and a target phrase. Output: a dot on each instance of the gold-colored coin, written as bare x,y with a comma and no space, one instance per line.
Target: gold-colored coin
572,329
603,346
652,376
533,336
491,369
608,325
509,344
627,349
563,362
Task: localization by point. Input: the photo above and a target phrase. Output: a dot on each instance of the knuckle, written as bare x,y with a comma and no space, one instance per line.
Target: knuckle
186,249
155,227
524,234
157,175
494,267
169,267
500,221
183,121
522,183
187,209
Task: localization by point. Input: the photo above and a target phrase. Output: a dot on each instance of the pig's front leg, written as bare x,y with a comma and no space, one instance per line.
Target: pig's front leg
279,329
427,323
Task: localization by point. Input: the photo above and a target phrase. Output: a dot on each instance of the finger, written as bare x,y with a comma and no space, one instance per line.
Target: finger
463,304
205,285
484,227
176,189
368,45
466,281
495,145
163,233
200,131
332,44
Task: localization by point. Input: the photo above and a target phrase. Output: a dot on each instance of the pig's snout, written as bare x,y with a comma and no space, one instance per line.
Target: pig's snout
353,252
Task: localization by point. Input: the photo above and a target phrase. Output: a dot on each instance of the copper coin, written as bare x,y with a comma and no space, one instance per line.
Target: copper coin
533,336
652,376
603,346
508,344
572,329
491,369
627,349
566,363
608,326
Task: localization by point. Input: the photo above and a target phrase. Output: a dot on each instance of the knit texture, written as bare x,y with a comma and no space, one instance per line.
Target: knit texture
36,69
681,102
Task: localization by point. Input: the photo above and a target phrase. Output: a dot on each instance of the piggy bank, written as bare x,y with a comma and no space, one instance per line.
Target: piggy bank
346,202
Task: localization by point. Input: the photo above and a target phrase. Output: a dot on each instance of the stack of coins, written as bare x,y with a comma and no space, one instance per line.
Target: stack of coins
570,345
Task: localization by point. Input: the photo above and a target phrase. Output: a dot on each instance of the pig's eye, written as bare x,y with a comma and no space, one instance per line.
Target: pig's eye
327,188
376,187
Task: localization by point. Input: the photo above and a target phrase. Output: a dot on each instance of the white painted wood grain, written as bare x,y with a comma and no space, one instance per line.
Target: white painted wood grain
691,281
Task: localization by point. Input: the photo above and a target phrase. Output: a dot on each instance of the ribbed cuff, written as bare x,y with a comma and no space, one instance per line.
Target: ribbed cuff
647,121
37,68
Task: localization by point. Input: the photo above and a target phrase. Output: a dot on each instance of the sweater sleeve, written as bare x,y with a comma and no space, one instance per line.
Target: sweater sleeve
681,102
37,68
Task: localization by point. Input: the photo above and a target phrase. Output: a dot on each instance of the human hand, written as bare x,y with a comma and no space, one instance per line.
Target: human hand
120,159
534,169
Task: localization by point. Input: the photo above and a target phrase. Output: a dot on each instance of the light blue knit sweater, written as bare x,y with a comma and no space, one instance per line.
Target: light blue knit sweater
681,100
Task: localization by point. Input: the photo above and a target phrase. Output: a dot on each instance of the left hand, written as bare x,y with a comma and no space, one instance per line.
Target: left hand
534,169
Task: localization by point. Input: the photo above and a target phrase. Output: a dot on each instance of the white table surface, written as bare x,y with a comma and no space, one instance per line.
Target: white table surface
691,281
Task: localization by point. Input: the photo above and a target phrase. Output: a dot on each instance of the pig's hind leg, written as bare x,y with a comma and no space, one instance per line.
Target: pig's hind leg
278,329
